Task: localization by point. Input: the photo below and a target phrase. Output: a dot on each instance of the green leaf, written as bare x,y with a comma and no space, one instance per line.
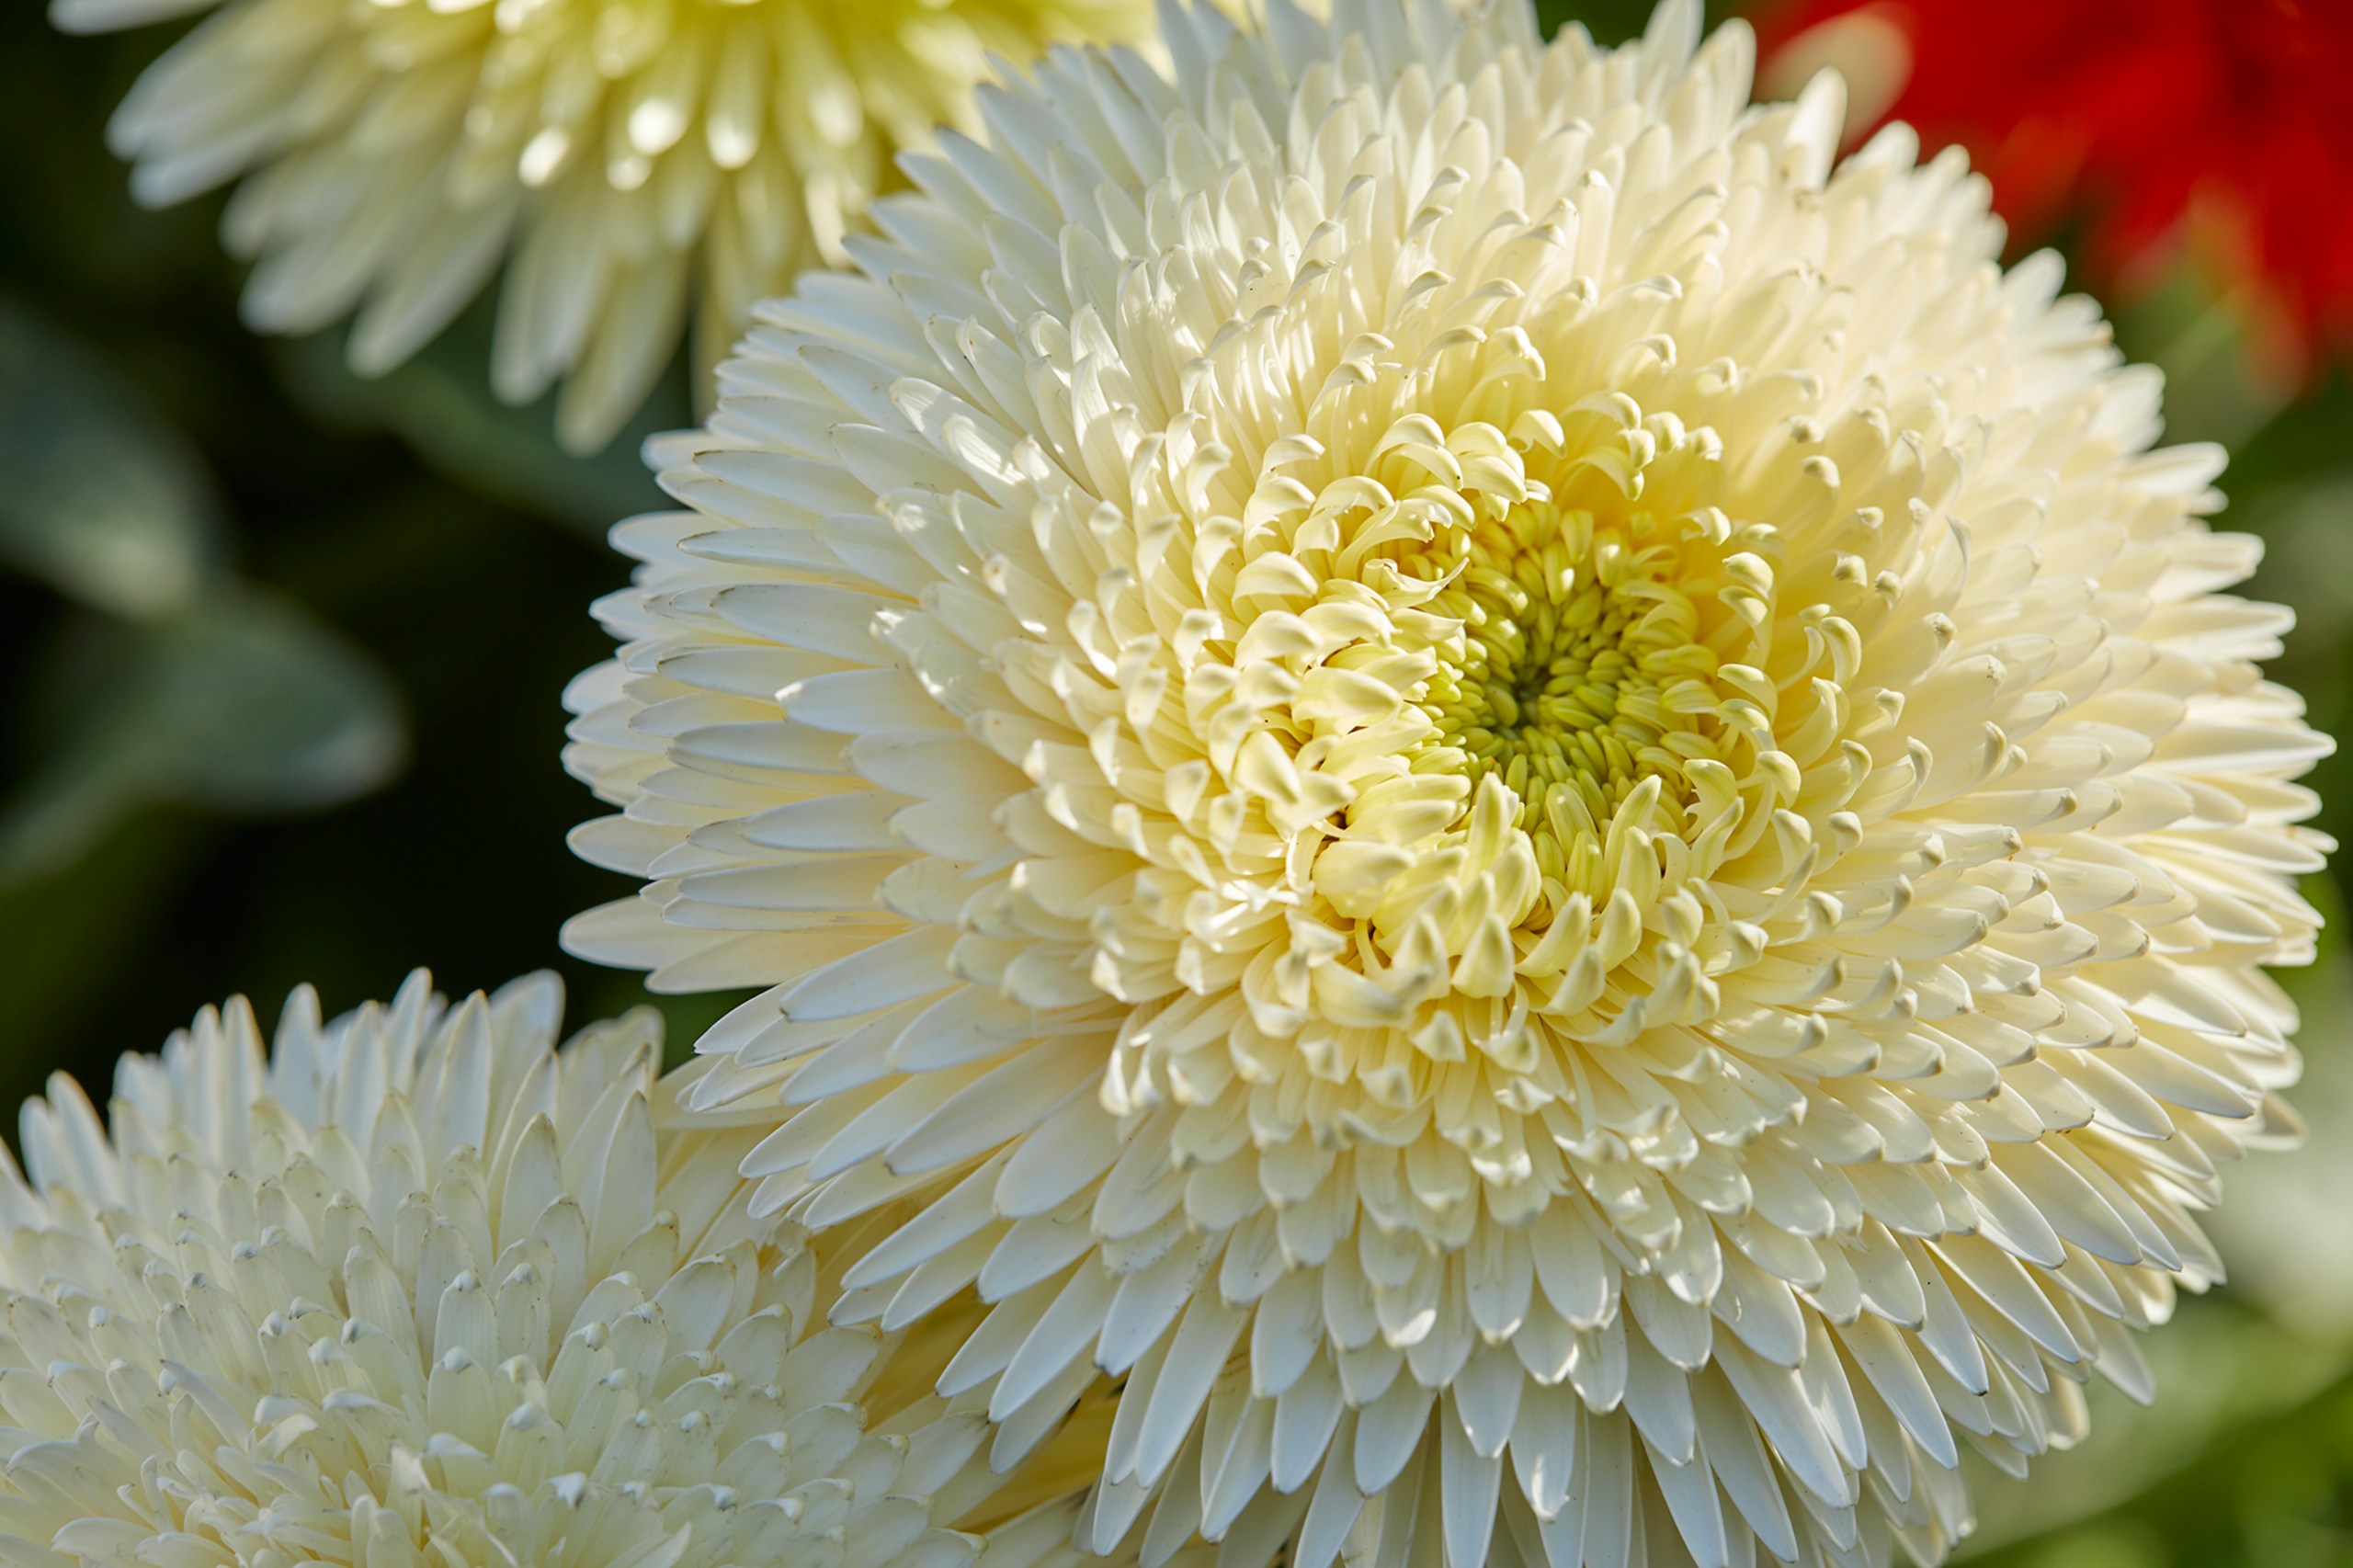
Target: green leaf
103,500
441,402
241,704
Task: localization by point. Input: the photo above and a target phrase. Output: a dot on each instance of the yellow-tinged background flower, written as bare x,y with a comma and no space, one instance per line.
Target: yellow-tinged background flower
1541,809
421,1288
630,163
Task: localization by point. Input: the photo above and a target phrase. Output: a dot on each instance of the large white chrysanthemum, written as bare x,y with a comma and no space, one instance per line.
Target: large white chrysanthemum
420,1289
1542,811
640,159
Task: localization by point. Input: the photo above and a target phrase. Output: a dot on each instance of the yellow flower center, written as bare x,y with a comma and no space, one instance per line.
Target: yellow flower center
1579,672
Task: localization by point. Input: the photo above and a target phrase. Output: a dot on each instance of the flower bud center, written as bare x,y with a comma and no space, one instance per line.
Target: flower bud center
1580,669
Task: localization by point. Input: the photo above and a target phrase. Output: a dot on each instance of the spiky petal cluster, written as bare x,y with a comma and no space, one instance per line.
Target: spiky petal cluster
419,1288
628,161
1513,793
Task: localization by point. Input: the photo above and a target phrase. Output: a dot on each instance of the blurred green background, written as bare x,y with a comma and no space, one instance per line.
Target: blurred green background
280,660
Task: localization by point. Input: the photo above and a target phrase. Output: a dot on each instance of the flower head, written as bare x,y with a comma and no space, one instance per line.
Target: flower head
2206,114
1482,776
629,164
420,1288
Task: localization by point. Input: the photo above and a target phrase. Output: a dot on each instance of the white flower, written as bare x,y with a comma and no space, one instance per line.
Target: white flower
628,161
421,1289
1509,792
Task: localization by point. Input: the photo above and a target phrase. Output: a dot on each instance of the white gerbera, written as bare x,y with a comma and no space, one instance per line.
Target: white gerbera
640,159
420,1289
1481,776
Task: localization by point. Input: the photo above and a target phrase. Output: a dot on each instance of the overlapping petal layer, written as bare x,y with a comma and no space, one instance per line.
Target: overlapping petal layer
1542,811
638,161
421,1289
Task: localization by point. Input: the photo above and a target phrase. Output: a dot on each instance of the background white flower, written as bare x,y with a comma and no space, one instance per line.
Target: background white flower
640,160
1480,776
418,1289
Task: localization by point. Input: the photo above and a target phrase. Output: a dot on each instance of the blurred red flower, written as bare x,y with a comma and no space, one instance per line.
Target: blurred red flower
2222,126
